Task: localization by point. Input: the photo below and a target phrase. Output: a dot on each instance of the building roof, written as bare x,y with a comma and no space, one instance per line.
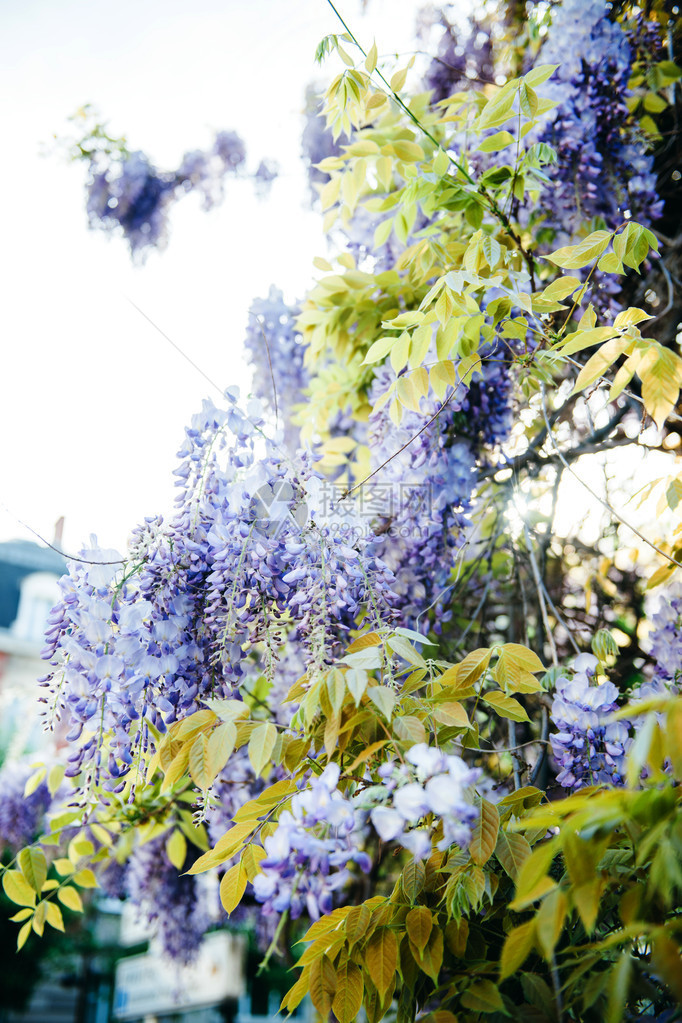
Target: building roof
19,558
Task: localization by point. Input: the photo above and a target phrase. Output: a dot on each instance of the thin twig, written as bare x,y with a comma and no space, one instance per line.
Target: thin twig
69,557
541,597
400,450
177,348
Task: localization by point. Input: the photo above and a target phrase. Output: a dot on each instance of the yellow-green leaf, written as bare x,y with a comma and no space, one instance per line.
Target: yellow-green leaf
232,887
506,706
322,984
483,996
176,849
85,879
39,918
549,921
221,743
54,916
512,850
23,936
17,888
418,924
484,831
348,996
33,866
70,898
516,949
473,666
261,745
34,781
660,371
381,956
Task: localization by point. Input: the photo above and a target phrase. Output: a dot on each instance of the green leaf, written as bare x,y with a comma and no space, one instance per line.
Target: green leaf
23,936
70,898
484,831
232,887
506,706
198,763
618,987
540,74
494,143
473,666
409,152
549,921
581,339
483,996
54,916
431,959
33,866
572,257
322,984
419,924
517,947
412,879
17,888
380,348
176,849
384,699
39,918
85,879
403,648
532,882
348,997
660,371
221,743
381,956
23,914
610,264
562,287
497,110
512,850
34,781
261,745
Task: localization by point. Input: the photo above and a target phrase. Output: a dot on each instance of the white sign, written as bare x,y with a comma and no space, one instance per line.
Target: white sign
149,984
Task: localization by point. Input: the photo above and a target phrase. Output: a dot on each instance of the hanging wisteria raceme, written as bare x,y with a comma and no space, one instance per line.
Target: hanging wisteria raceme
436,783
308,856
127,193
21,817
601,169
248,559
461,58
588,747
665,640
275,352
168,898
422,496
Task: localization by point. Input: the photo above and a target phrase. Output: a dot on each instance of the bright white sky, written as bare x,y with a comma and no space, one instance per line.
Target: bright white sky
93,401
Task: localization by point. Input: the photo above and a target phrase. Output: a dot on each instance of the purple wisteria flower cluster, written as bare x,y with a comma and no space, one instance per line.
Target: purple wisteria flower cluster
275,351
435,783
462,58
666,640
601,170
127,192
588,747
246,564
21,817
167,898
308,856
425,492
